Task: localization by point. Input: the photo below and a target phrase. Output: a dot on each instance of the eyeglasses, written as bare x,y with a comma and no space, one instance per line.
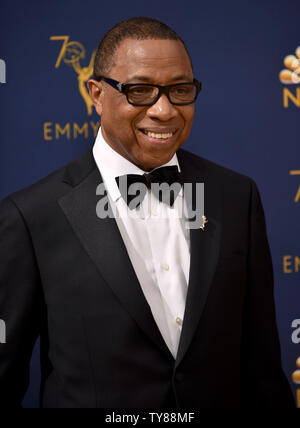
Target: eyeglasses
144,94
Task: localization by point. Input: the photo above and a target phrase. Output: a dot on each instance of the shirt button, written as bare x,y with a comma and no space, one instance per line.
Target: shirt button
179,321
165,266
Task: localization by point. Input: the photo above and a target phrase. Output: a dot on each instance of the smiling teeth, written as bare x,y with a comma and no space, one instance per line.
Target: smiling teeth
159,136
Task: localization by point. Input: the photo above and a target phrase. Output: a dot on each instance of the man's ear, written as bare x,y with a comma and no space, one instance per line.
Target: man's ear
96,93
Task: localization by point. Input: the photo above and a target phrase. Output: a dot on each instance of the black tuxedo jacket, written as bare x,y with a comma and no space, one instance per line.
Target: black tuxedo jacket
65,275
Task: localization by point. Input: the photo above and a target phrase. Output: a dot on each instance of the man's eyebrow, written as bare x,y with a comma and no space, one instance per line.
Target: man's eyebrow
148,79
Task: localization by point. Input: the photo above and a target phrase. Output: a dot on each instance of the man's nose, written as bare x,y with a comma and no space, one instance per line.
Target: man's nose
162,109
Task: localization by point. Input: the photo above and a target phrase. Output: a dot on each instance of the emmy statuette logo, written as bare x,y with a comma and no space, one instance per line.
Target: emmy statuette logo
72,53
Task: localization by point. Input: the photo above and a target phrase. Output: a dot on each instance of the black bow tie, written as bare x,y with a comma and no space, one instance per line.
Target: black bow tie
165,174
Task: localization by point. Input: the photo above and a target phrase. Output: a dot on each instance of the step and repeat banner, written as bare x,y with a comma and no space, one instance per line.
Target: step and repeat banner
247,56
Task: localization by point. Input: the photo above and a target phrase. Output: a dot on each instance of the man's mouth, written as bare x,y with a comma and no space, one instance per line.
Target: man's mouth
159,135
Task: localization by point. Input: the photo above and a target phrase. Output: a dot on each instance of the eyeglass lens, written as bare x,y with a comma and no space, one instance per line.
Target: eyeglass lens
177,93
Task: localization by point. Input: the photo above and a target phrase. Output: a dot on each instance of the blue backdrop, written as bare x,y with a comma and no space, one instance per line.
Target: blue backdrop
246,118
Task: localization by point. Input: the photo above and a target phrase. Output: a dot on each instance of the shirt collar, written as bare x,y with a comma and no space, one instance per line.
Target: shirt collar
111,165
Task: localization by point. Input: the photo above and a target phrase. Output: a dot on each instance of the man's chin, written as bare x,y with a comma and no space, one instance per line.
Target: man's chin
147,163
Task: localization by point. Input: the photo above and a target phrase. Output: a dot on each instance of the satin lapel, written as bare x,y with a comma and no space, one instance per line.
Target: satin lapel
103,242
204,251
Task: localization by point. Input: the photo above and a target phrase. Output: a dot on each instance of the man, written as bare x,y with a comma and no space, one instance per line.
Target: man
140,311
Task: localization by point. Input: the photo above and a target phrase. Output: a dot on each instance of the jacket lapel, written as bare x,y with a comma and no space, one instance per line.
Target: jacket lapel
204,249
103,242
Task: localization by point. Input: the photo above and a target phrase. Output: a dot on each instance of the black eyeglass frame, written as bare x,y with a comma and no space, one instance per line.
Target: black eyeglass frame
125,87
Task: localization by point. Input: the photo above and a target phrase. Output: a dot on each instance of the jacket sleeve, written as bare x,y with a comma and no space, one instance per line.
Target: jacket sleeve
20,307
263,380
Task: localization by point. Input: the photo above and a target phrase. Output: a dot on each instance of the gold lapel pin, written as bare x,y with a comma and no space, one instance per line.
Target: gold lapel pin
204,222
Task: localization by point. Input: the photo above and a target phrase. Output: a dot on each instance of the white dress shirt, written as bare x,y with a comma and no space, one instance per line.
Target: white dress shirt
157,241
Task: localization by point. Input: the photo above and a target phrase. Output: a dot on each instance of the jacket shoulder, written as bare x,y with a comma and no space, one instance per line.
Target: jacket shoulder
214,171
55,184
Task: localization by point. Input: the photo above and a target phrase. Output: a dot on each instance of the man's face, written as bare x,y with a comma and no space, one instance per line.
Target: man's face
126,127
